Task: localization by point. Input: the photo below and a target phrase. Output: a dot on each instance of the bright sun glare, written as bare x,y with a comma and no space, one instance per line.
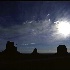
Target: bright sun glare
63,27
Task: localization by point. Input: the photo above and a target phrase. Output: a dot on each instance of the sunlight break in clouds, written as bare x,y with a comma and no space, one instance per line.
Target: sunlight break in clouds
61,29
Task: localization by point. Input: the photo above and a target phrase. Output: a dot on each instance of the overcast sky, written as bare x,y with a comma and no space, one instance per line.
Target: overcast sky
31,25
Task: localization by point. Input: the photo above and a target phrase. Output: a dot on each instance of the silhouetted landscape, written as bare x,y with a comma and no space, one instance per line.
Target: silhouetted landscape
34,35
11,58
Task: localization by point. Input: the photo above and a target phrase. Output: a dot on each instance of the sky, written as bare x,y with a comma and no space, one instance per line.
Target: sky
35,24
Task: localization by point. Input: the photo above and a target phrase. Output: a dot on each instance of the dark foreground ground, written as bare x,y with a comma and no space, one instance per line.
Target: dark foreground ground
35,62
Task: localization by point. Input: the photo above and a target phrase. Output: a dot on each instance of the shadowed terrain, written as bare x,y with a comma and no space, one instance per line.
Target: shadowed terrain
10,58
